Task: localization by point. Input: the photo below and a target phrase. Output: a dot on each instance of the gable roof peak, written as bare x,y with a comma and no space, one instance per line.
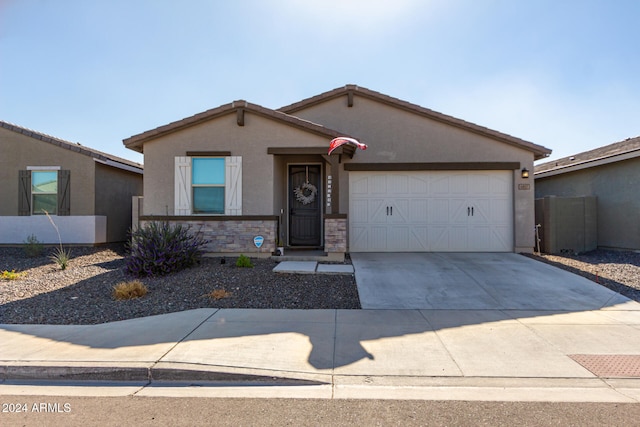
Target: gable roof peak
136,142
350,90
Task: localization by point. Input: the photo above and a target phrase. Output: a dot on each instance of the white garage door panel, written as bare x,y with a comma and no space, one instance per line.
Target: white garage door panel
431,211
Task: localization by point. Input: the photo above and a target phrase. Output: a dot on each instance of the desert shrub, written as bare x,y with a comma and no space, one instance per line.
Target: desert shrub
244,262
32,246
218,294
61,257
129,290
160,248
12,275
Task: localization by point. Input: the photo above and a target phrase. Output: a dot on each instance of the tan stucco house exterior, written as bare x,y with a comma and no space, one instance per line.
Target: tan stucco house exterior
611,174
87,193
426,182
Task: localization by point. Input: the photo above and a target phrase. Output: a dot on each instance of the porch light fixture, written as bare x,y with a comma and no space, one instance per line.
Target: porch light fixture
525,173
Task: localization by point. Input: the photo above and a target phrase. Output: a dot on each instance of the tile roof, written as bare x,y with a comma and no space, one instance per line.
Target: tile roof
76,147
539,151
617,151
136,142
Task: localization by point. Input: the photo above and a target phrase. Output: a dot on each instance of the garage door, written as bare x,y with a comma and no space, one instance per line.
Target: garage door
439,211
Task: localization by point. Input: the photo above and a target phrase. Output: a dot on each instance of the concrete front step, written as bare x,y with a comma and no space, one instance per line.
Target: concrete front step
312,267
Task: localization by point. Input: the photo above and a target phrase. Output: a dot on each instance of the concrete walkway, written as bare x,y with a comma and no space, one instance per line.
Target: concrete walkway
312,267
446,354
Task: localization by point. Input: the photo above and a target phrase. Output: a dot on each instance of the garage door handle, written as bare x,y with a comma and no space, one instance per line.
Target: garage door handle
391,210
468,211
471,210
387,210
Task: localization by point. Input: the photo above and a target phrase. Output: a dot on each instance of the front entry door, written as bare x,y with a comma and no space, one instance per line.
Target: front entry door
305,203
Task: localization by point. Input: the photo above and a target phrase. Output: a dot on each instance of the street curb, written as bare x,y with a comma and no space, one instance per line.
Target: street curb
140,374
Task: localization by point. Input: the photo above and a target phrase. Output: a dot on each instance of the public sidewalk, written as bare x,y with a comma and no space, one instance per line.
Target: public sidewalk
506,355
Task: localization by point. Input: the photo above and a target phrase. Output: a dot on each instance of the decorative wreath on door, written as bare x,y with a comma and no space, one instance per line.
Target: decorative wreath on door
310,191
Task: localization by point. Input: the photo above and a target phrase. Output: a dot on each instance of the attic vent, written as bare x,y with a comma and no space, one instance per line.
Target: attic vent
350,98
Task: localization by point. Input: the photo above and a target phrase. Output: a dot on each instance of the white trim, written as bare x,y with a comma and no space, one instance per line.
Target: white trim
588,164
119,165
182,186
233,185
43,168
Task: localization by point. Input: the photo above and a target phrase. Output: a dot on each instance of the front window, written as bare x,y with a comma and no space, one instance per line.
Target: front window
207,179
44,192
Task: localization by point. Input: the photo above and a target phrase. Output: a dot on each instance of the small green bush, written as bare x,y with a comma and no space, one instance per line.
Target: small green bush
160,248
244,262
32,246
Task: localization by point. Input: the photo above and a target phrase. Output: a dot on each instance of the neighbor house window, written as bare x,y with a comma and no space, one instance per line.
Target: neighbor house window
208,185
44,188
44,192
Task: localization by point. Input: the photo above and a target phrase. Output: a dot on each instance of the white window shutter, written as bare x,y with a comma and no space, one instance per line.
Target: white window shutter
182,184
233,185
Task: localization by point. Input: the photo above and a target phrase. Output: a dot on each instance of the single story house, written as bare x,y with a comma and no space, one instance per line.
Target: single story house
87,193
611,174
426,182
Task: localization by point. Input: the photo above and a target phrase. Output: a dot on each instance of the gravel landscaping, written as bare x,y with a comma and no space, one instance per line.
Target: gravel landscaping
82,294
617,270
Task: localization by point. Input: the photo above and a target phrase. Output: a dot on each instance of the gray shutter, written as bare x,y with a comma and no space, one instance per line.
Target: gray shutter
64,195
24,193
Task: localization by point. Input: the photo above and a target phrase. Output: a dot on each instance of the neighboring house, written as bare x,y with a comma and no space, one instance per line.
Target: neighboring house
611,174
88,194
427,182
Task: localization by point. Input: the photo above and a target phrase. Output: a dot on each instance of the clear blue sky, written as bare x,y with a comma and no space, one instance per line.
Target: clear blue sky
560,73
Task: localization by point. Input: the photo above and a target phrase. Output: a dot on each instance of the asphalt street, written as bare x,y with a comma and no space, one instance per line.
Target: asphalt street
149,411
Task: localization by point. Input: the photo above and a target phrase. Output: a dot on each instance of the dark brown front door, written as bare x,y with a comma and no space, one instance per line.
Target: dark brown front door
305,202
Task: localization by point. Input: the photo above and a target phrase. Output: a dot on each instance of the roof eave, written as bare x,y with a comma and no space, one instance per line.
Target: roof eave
624,148
586,164
75,147
136,142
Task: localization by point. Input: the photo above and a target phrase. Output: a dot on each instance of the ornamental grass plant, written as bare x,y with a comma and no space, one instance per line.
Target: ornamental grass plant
61,256
129,290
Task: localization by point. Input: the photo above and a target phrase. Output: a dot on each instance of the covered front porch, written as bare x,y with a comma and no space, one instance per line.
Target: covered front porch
307,185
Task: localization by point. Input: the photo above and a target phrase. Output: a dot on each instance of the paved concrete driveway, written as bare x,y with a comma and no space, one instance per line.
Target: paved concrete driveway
472,281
